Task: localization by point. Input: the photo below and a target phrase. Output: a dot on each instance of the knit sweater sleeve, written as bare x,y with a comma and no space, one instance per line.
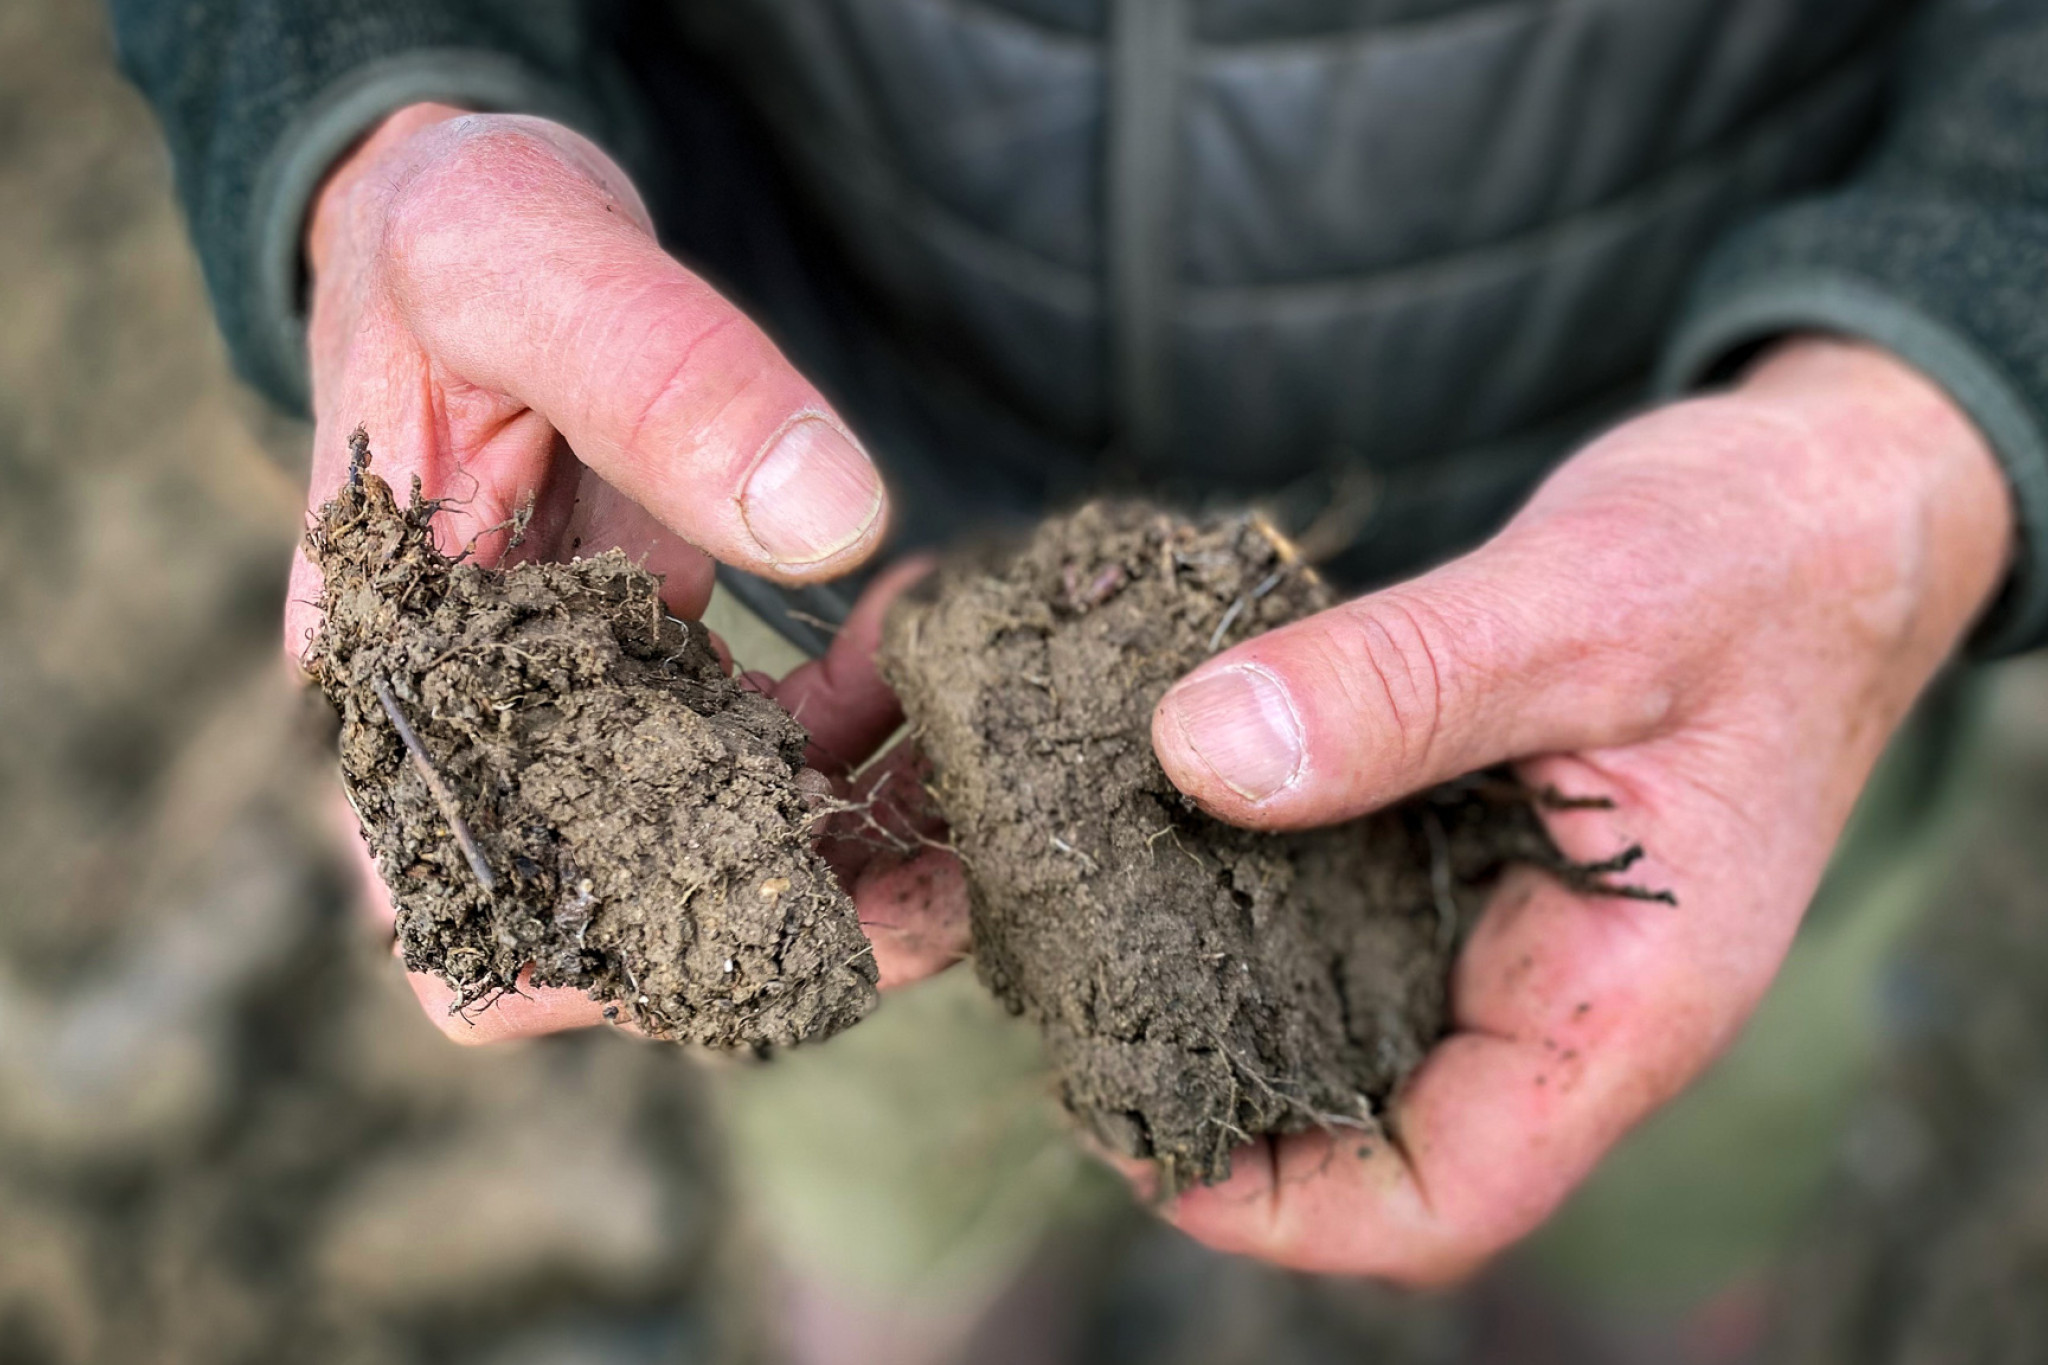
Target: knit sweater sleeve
258,99
1936,250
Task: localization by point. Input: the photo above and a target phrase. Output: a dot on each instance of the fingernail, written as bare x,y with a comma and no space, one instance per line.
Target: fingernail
813,494
1239,722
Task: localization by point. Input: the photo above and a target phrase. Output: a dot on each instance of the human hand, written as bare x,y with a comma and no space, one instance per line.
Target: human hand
489,301
908,888
1715,615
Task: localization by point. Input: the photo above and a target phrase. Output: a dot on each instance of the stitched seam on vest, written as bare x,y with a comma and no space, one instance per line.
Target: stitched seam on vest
1356,35
901,199
1212,305
1076,290
972,13
917,212
1340,42
1147,50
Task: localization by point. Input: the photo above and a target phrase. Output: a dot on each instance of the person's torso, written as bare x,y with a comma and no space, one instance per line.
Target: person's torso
1246,239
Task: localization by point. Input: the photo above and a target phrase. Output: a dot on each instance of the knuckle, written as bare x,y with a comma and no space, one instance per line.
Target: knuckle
675,403
493,153
477,176
1395,661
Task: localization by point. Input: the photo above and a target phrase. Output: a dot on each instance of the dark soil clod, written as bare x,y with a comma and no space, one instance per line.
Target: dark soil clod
553,772
1198,985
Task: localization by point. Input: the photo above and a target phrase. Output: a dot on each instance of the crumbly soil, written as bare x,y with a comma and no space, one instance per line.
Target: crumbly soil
1198,985
592,794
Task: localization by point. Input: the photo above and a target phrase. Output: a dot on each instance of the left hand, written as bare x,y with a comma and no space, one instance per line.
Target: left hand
1716,615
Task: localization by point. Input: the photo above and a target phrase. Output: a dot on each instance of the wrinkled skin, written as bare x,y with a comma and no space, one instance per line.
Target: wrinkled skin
1715,614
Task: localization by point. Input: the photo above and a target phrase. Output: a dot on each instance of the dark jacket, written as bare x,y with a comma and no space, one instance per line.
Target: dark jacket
1381,261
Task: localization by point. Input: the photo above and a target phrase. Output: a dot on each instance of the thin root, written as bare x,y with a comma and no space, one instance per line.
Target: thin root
1223,626
1591,879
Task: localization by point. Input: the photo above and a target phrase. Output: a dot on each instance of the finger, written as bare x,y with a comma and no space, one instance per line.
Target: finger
524,275
841,698
1488,1139
887,846
1574,1017
1516,650
373,898
301,612
598,518
887,811
914,912
1141,1175
530,1011
1484,1142
482,456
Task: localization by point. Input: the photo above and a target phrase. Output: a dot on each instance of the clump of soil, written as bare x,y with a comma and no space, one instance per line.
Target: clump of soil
1198,985
553,771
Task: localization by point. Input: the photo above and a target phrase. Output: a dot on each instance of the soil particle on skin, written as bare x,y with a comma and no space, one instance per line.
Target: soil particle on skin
590,793
1198,985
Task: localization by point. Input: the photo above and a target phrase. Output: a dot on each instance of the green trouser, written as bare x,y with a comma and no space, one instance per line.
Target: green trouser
914,1163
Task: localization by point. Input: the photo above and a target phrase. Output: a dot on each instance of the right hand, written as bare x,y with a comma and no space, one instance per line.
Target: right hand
489,301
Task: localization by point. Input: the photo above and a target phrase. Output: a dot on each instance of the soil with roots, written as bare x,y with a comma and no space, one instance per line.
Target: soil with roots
554,773
1198,985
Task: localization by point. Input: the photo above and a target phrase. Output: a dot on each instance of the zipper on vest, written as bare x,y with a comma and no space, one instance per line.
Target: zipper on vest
1147,54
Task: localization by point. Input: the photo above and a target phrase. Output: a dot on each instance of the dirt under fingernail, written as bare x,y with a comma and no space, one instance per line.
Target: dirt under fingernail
592,795
1198,985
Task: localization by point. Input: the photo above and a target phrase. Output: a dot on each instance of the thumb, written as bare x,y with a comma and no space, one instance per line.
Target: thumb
521,259
1494,657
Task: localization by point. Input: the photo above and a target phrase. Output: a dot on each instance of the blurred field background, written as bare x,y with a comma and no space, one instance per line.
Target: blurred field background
227,1135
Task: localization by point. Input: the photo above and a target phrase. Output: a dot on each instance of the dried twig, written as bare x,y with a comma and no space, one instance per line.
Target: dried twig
817,623
444,798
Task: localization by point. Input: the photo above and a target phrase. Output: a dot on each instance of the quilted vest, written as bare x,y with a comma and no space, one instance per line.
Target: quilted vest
1245,240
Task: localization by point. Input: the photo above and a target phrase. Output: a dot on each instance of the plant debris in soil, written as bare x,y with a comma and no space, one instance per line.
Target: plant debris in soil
1198,985
553,772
